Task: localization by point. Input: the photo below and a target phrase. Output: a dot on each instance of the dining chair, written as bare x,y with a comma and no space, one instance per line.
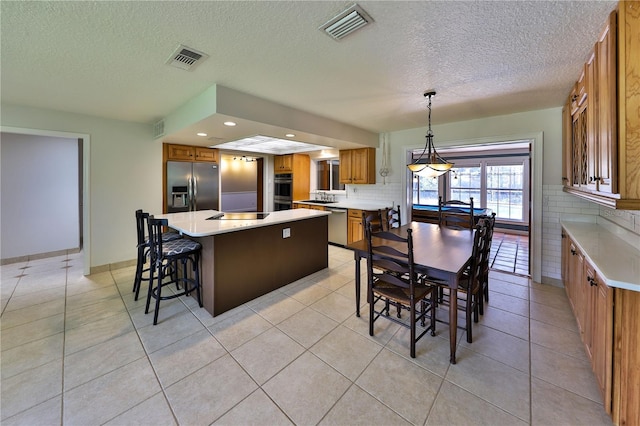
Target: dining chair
141,273
470,284
392,280
490,222
456,214
374,218
165,258
392,218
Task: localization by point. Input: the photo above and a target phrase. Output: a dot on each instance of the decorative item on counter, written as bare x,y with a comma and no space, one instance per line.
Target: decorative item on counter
384,168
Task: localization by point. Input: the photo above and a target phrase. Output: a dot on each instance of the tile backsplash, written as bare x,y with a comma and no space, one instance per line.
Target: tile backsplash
628,219
558,205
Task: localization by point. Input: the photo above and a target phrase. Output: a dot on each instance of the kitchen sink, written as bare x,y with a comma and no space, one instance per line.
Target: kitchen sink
318,201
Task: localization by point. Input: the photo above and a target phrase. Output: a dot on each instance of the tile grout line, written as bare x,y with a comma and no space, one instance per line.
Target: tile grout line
146,354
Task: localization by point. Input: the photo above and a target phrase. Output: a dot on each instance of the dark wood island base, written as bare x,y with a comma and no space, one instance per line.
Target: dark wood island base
239,266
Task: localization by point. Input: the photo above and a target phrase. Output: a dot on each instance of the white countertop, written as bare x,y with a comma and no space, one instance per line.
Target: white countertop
352,204
617,261
195,224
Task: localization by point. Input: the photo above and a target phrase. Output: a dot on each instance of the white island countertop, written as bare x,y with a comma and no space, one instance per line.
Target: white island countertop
617,261
196,224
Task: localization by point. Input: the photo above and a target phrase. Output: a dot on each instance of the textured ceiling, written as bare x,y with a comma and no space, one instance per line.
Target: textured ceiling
484,58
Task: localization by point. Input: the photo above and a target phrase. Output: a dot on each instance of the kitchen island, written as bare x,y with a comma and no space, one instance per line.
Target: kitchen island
244,257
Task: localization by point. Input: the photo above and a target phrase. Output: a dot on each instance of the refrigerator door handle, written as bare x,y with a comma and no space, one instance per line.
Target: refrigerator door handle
189,194
195,193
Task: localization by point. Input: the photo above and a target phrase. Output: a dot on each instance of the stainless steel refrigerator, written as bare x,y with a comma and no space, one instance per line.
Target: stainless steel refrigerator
192,186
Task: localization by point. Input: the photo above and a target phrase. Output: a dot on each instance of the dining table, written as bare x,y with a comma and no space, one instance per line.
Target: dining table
439,252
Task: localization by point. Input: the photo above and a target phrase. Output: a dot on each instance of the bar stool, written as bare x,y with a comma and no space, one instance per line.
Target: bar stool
165,256
143,249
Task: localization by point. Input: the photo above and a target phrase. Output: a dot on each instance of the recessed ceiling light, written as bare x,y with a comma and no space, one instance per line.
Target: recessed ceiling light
201,134
290,135
229,123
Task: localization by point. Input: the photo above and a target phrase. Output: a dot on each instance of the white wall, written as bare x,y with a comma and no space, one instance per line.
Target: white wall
40,195
126,169
126,174
504,127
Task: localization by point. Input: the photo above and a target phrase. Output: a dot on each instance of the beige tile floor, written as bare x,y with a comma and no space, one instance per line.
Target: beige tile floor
80,351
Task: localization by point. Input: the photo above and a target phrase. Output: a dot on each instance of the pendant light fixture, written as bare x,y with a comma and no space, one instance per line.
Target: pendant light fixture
433,164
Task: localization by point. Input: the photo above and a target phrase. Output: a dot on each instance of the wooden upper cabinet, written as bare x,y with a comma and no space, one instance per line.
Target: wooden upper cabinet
567,159
206,154
628,155
579,93
181,152
605,126
358,166
591,154
191,153
283,163
606,114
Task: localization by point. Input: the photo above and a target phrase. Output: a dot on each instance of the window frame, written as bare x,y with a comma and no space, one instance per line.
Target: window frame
507,160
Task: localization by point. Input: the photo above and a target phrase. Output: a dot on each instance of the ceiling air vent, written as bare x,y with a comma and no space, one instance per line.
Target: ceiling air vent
186,58
346,22
158,129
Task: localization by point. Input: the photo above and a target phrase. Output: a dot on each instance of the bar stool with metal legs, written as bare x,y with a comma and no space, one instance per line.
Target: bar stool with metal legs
165,259
143,249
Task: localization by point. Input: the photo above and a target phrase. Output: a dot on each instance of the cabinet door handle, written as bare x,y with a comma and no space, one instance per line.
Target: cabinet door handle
592,281
573,252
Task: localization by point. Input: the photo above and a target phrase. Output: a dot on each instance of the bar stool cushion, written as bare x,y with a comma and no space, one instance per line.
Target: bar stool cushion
180,246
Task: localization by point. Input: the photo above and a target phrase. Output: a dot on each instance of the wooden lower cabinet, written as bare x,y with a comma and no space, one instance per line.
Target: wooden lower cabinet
602,347
609,322
308,206
355,231
626,358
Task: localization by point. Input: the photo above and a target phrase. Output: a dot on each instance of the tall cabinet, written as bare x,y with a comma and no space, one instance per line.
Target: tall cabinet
601,124
298,165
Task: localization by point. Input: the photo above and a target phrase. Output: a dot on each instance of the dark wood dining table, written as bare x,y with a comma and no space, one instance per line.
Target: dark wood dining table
440,252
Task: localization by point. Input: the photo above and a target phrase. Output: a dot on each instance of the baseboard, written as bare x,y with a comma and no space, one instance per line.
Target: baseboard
556,282
38,256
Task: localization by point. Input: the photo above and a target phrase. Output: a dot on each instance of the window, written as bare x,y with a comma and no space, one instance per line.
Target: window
505,190
466,182
497,184
498,180
425,190
328,173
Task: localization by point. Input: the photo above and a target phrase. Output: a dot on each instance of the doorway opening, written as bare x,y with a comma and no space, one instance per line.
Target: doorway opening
78,161
498,177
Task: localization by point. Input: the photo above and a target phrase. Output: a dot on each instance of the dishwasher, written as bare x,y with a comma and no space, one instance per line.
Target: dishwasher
338,226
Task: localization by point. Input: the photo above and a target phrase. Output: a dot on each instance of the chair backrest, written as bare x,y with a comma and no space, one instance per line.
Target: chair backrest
480,255
490,223
374,219
390,259
156,227
141,225
392,218
456,214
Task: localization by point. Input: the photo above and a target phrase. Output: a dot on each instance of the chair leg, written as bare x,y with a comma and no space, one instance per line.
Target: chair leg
468,318
152,270
196,276
433,311
158,295
412,321
137,281
476,305
372,302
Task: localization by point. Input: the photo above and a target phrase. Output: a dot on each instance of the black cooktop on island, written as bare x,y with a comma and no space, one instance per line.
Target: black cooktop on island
239,216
